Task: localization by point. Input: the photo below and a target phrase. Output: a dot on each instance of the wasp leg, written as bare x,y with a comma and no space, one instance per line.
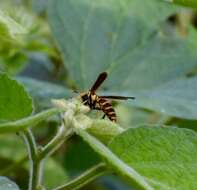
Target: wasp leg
85,102
103,116
97,108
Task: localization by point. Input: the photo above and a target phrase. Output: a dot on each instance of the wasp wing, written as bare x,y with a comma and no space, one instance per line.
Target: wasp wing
98,81
118,97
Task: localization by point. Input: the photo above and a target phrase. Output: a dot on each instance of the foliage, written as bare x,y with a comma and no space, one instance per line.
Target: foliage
146,54
6,184
189,3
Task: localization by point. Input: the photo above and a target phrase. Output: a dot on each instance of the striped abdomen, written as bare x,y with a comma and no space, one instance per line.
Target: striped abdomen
107,108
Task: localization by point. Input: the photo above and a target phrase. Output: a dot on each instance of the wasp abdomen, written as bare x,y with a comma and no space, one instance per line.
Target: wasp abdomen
107,108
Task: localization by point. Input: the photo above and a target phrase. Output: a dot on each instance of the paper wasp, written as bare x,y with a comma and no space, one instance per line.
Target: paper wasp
96,102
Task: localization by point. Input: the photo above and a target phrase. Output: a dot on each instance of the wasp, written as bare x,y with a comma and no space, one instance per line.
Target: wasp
95,102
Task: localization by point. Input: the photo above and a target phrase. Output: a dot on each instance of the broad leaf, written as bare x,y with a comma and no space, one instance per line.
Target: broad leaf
165,156
99,35
42,92
126,39
176,98
15,103
6,184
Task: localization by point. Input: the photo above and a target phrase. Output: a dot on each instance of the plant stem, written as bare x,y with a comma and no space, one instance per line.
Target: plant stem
35,164
117,164
22,124
85,178
37,172
30,140
61,136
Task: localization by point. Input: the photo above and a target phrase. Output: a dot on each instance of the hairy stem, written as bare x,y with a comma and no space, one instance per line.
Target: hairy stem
61,136
35,164
22,124
85,178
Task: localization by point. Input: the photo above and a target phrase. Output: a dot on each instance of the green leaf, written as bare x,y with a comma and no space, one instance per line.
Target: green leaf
126,39
14,152
6,184
11,30
9,143
165,156
102,33
187,3
113,161
13,149
176,98
104,130
42,92
15,103
21,32
17,22
75,149
54,174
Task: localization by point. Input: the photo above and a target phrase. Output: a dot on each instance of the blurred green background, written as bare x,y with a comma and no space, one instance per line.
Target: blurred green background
34,51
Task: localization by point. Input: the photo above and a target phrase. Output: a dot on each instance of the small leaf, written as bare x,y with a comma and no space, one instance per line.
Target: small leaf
15,103
165,156
11,28
6,184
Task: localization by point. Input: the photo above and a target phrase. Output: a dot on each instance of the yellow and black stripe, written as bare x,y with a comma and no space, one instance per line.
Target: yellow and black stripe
95,102
107,108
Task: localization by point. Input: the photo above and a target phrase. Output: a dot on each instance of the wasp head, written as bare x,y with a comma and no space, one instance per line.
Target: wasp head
84,97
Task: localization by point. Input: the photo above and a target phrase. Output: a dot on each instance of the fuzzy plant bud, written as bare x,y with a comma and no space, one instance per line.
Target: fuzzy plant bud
73,113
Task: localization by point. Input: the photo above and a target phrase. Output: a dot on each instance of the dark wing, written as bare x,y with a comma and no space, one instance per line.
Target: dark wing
99,81
118,97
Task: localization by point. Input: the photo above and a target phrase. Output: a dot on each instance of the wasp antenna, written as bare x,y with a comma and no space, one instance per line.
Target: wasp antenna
75,91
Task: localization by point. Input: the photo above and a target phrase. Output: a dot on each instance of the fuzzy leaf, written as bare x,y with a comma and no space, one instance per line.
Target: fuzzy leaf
114,162
104,130
125,38
100,35
165,156
42,91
